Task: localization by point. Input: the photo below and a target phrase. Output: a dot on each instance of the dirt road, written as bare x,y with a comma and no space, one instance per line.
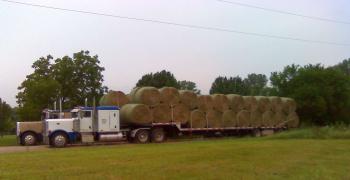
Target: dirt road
11,149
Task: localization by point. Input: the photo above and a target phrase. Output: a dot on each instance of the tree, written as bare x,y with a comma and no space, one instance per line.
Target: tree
159,79
70,79
255,84
344,66
322,93
280,80
5,117
189,85
231,85
38,91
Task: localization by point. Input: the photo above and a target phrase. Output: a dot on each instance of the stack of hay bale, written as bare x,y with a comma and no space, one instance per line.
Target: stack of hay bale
147,105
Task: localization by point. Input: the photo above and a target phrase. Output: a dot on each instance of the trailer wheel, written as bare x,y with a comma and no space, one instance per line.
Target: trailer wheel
59,140
29,139
158,135
142,136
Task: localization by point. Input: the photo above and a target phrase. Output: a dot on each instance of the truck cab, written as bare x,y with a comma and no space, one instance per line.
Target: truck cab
31,133
87,125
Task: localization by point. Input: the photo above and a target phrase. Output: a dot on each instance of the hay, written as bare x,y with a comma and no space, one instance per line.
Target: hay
293,120
197,119
181,113
36,126
135,114
205,103
276,103
255,119
169,95
264,103
161,113
236,102
279,118
114,98
229,119
220,102
250,103
243,118
146,95
288,105
133,92
267,119
189,98
214,119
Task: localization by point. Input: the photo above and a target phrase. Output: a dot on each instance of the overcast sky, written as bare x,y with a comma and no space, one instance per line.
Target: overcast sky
128,49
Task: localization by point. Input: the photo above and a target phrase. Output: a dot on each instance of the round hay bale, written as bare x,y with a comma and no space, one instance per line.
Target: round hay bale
267,119
146,95
236,102
250,103
214,119
293,120
181,113
133,91
220,102
243,118
169,95
205,103
276,103
189,98
161,113
135,114
264,103
279,118
197,119
114,98
229,119
288,105
256,118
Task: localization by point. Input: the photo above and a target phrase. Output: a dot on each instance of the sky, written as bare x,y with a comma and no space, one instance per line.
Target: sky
129,49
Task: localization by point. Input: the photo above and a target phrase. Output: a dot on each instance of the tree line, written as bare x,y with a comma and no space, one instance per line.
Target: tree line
322,93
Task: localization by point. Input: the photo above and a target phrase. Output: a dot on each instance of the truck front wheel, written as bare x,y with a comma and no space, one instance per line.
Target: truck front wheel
158,135
142,136
29,139
59,140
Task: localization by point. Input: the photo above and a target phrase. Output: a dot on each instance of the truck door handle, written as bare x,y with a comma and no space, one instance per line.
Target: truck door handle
89,127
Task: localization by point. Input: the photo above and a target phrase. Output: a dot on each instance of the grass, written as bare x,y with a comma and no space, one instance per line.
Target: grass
245,158
8,140
328,132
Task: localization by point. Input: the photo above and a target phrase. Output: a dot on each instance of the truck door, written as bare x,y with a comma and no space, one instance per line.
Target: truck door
86,121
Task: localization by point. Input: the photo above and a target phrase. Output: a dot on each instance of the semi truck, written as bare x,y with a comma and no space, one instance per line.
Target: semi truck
91,125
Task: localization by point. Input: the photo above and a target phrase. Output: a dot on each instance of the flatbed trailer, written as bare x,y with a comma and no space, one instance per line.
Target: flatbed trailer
174,128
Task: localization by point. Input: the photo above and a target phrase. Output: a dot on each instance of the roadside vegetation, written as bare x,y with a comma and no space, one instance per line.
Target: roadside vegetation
8,140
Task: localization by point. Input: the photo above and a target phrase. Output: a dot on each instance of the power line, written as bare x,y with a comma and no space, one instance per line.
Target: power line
181,25
285,12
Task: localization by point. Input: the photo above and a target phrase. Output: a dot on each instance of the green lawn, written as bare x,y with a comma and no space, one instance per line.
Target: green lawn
244,158
8,140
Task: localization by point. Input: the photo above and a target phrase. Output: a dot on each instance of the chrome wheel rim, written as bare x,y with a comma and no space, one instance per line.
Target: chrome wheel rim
60,140
143,137
29,139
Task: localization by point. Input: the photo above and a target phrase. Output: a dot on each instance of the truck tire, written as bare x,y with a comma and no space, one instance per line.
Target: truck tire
142,136
29,139
59,140
158,135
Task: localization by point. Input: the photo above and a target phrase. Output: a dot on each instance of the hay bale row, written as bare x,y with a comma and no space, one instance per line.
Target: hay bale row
170,105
